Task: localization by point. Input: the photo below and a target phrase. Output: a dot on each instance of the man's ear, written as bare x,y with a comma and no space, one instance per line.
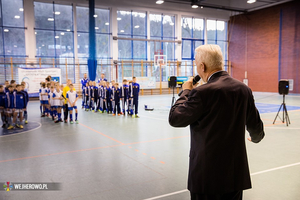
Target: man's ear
204,67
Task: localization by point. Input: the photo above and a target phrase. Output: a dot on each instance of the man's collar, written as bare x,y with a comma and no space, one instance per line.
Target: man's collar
213,74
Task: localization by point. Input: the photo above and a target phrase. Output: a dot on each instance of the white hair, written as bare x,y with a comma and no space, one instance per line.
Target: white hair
210,55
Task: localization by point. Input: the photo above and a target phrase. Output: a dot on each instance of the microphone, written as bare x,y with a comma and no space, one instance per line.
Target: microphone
196,79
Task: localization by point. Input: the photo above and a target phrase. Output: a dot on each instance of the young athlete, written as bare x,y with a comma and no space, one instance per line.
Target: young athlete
115,98
130,99
124,94
44,99
9,106
19,106
135,93
50,101
58,102
2,105
95,97
72,98
27,100
108,99
83,85
86,96
6,86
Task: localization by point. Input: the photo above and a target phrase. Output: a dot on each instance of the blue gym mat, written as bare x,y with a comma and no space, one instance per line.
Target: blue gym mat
270,108
27,127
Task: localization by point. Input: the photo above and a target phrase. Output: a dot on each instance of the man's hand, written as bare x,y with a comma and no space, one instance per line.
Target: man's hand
188,85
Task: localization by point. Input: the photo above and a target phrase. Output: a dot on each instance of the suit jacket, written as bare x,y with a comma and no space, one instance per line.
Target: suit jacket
218,113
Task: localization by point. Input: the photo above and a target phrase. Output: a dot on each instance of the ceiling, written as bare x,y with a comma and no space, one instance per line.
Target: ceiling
230,5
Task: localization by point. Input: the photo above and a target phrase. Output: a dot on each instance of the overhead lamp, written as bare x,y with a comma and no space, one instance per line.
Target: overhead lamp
17,16
122,31
172,24
35,32
137,26
62,33
95,16
159,2
57,13
201,7
119,18
57,37
43,45
106,23
68,30
15,46
96,28
6,30
78,35
50,19
195,6
251,1
21,9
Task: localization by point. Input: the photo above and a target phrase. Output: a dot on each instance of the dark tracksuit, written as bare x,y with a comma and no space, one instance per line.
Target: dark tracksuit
136,90
108,101
2,104
96,97
124,94
115,95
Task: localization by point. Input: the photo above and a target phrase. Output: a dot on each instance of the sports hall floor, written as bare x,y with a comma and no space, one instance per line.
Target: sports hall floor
121,158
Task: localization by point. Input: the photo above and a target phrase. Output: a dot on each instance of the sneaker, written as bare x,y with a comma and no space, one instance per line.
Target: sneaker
93,111
71,122
43,115
61,120
26,122
99,110
21,126
132,116
10,127
3,125
66,121
57,121
17,125
113,114
119,114
76,122
136,116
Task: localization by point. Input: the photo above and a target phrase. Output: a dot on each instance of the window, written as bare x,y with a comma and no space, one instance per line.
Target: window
192,37
12,41
217,34
102,28
54,36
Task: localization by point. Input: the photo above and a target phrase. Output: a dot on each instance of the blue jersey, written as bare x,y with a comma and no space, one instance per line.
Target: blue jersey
19,100
26,96
2,99
99,80
9,103
115,94
135,90
124,92
108,93
83,82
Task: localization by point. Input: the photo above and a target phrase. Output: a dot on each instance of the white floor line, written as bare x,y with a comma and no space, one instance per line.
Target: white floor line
253,174
40,125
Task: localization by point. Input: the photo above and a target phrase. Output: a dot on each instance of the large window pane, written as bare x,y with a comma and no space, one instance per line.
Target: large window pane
82,16
63,17
139,49
186,24
13,13
221,30
102,21
124,49
102,45
186,49
124,22
155,25
83,45
168,26
14,41
139,23
64,44
1,42
44,16
45,43
199,29
211,29
169,50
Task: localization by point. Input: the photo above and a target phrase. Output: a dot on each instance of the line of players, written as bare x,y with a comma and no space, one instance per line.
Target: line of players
13,105
55,97
105,98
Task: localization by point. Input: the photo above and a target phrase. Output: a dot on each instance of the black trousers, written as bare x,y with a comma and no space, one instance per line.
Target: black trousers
66,109
238,195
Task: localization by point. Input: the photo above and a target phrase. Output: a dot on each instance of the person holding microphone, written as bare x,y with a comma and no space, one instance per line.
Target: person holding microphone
217,113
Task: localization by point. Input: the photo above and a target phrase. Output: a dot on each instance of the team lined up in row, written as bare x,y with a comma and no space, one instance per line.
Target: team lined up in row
55,97
106,97
13,104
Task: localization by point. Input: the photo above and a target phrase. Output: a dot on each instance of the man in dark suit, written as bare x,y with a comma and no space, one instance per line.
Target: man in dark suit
217,113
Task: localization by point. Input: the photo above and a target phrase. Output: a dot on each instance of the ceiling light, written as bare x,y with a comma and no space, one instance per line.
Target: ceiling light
96,28
201,7
172,24
119,18
137,26
17,16
15,46
159,2
106,23
194,6
251,1
57,13
62,33
68,30
57,37
21,9
50,19
43,45
35,32
78,35
122,31
6,30
95,16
